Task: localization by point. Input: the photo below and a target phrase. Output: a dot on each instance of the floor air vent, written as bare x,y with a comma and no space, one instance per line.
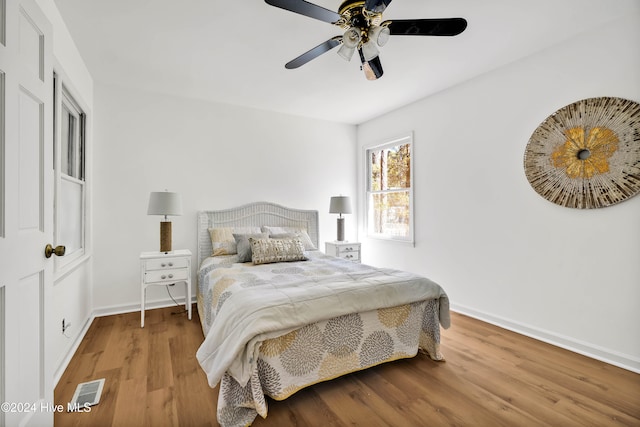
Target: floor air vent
87,394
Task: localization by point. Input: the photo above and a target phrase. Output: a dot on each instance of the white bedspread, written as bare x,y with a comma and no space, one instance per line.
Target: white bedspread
267,308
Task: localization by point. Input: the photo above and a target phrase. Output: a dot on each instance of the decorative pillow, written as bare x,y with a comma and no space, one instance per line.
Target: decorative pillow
222,240
301,233
244,246
264,251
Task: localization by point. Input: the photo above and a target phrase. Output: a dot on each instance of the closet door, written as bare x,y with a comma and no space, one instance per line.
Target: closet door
26,213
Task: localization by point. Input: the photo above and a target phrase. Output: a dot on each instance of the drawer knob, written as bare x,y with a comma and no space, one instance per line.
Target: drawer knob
170,264
163,265
171,276
163,277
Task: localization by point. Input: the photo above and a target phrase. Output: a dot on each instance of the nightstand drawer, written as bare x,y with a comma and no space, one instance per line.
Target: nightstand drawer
350,255
159,264
348,249
345,250
168,275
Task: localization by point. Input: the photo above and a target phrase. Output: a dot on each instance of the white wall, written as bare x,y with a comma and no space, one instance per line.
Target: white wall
502,252
216,156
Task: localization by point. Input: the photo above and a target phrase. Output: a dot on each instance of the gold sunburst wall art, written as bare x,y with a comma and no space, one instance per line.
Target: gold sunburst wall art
587,155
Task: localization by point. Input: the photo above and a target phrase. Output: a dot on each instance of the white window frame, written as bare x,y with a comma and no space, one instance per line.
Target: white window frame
401,140
63,99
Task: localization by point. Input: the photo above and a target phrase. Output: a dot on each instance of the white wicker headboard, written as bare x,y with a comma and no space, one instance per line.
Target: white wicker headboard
254,215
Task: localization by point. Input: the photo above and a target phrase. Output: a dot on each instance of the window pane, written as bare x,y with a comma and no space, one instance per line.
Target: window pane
69,143
71,218
64,142
389,214
390,168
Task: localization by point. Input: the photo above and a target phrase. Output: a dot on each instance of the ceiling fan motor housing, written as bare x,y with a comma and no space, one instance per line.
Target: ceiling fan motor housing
354,17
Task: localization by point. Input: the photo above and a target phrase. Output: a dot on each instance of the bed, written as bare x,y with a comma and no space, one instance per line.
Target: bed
278,315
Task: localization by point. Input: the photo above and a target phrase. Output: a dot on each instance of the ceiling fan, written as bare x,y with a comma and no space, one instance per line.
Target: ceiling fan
364,30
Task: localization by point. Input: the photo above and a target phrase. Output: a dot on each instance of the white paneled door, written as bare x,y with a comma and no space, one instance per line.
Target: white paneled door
26,214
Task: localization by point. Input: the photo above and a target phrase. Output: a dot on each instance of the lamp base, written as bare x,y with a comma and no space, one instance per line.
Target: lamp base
165,236
340,230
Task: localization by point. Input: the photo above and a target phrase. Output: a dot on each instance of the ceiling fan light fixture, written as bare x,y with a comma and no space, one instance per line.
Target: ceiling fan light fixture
370,50
379,34
350,41
346,52
351,38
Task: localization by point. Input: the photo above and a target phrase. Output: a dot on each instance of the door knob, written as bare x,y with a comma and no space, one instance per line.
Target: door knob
50,250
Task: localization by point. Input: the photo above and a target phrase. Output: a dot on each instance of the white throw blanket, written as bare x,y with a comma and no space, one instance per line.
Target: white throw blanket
252,313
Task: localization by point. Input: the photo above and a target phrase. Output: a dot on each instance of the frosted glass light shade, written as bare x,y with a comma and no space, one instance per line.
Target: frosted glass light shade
351,37
380,35
370,50
346,52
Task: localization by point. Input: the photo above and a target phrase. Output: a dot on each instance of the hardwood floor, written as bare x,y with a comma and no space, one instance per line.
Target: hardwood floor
492,377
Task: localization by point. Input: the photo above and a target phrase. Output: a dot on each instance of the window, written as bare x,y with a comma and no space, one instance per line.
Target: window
71,183
390,190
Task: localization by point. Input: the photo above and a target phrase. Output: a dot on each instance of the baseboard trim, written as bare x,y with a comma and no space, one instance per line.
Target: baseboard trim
602,354
130,308
72,350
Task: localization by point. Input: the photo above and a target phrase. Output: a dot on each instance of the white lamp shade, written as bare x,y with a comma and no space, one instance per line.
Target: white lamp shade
164,203
340,205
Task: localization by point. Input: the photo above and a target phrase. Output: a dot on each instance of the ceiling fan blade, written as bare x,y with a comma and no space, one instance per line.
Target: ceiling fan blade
372,68
426,27
376,6
313,53
307,9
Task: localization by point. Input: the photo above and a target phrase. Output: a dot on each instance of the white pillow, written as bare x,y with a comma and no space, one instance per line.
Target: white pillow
298,231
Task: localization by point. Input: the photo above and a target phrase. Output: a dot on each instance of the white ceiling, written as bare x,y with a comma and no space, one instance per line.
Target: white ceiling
234,51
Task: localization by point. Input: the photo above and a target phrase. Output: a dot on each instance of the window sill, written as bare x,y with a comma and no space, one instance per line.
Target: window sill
62,271
406,242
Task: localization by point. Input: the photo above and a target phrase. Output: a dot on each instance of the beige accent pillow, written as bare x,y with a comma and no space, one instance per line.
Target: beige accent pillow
265,251
222,240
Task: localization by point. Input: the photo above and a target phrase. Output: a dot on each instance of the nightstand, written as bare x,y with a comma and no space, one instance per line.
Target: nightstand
160,268
346,250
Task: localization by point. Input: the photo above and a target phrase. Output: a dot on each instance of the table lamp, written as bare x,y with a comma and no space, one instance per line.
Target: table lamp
165,203
340,205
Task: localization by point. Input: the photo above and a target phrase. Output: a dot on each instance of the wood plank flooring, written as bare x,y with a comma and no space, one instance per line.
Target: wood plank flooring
492,377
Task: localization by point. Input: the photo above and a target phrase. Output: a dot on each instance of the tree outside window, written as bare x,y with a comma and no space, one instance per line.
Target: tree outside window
390,191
